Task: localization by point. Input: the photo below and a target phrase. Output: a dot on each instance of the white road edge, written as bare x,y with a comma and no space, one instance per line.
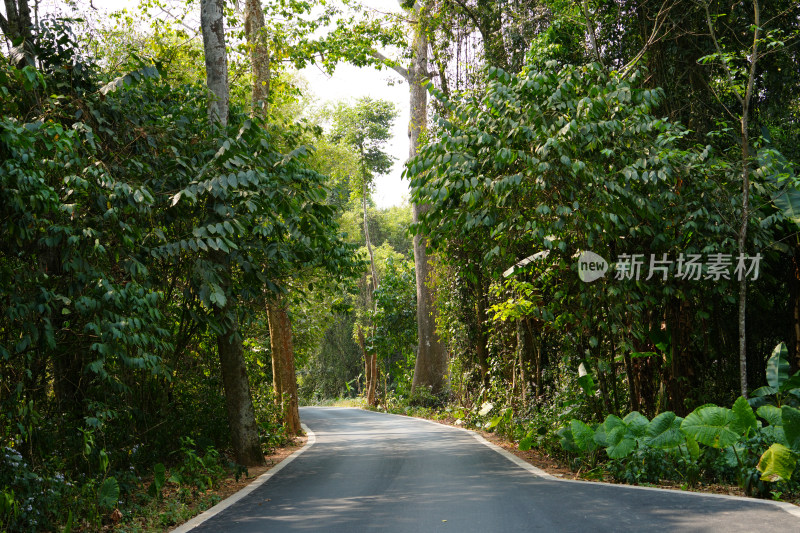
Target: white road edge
260,480
785,506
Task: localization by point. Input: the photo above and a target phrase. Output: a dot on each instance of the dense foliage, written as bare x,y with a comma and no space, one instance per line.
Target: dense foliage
133,231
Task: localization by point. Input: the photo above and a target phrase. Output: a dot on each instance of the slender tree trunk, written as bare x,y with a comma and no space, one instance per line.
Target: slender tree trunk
238,400
370,358
590,32
259,52
745,101
281,344
370,368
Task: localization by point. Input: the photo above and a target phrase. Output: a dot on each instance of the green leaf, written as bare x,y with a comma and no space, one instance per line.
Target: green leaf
770,413
108,494
526,443
217,295
583,436
587,385
777,463
620,443
692,447
791,426
744,420
566,440
788,201
664,431
637,423
763,391
711,425
493,422
778,366
68,525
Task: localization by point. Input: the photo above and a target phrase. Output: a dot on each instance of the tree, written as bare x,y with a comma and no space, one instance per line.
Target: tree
238,400
365,126
431,365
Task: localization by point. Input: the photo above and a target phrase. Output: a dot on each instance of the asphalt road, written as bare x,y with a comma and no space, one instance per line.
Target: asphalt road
370,471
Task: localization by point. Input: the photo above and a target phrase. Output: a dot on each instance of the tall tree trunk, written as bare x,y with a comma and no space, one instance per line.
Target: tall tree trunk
284,379
238,399
370,357
280,339
430,368
744,120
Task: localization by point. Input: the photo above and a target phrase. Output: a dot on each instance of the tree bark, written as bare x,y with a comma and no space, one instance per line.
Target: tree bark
216,58
259,52
430,368
280,339
238,399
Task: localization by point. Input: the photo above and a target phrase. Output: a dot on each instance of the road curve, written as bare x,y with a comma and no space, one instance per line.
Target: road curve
370,471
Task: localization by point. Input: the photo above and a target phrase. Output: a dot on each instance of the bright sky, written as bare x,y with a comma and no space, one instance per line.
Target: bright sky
347,83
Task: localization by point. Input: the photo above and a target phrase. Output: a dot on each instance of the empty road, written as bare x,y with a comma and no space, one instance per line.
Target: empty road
376,472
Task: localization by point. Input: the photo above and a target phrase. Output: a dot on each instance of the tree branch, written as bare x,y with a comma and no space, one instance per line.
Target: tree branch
391,64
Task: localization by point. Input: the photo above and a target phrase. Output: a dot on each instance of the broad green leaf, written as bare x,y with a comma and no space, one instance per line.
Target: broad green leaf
664,431
692,447
621,443
766,390
526,443
108,494
711,425
778,366
791,426
587,384
770,413
583,436
611,422
637,423
566,440
68,525
744,420
600,436
777,463
792,383
788,201
493,422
